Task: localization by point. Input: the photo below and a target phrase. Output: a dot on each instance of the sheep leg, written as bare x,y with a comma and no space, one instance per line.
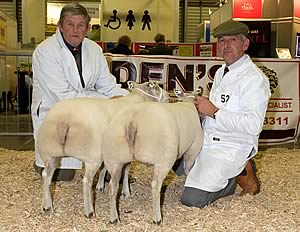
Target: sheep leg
159,174
101,180
115,173
47,177
190,156
125,186
90,171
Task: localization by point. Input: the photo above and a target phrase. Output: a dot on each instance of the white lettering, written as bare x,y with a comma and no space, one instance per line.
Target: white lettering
247,7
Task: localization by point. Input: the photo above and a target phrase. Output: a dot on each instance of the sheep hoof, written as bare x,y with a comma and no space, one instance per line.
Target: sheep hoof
46,209
100,190
157,222
115,222
132,180
89,215
125,196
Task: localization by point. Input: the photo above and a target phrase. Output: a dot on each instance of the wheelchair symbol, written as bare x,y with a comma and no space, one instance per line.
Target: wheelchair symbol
113,19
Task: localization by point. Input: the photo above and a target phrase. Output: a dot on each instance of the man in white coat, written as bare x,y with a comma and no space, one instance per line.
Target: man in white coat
68,65
233,118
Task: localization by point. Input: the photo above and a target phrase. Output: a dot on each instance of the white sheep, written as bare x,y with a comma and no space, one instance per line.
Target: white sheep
75,127
152,133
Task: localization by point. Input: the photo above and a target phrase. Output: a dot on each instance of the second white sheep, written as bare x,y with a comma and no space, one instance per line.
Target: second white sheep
153,133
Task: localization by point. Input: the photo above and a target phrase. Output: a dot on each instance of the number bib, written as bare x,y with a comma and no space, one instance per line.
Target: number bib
228,101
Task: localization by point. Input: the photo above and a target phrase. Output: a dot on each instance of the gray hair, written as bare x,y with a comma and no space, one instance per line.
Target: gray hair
74,9
242,37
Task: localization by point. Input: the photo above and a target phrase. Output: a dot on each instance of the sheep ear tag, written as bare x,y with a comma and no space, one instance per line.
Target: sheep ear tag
200,90
130,84
151,85
178,93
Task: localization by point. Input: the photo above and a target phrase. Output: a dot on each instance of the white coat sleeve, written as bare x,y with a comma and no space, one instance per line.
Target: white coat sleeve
106,82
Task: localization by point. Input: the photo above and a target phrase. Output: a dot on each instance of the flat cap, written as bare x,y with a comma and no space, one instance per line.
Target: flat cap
230,27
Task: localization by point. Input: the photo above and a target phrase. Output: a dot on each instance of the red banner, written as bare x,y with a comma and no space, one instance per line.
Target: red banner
247,9
297,8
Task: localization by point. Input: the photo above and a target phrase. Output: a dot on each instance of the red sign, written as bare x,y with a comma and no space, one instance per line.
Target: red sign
246,9
297,8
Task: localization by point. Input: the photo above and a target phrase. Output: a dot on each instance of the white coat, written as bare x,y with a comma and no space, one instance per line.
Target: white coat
232,137
56,77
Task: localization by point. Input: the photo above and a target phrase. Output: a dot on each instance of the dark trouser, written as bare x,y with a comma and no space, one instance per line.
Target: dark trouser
200,198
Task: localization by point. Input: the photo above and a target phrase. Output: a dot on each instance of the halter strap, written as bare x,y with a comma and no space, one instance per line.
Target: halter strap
149,95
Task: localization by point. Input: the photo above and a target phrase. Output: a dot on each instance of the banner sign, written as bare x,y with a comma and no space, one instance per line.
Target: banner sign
93,10
50,29
260,38
192,73
206,49
297,8
247,9
282,119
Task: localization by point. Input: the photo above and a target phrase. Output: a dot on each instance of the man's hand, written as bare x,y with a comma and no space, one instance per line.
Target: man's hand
205,107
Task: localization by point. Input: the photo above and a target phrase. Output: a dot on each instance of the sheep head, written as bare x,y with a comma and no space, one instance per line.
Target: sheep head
150,90
185,97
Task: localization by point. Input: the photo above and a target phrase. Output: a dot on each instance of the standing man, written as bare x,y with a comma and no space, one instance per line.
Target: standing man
68,65
233,118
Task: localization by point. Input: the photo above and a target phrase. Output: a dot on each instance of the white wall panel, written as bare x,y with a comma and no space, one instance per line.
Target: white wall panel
164,19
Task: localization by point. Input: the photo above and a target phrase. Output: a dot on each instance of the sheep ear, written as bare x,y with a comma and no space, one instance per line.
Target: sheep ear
156,84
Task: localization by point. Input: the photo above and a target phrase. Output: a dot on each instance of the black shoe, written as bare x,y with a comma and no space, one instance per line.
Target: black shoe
59,174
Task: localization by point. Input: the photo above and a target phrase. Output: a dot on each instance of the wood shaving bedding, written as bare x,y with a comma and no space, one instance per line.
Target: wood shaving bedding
275,208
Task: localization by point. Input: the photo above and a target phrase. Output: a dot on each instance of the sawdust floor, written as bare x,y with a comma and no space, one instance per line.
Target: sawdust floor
276,208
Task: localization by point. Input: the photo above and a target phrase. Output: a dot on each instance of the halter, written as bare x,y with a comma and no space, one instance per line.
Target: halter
190,96
149,95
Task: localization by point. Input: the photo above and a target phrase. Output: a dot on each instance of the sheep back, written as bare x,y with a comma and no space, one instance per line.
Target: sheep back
153,132
73,127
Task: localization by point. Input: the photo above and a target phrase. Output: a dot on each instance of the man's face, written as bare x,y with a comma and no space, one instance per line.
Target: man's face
232,47
74,29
